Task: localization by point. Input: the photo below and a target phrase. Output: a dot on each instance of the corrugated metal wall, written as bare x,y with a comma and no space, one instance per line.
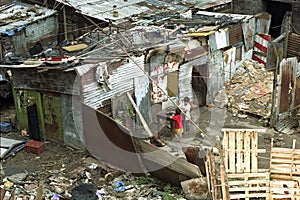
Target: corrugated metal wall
235,34
294,45
286,74
121,81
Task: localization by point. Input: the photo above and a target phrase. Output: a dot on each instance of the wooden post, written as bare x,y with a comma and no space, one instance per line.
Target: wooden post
65,23
145,125
287,30
224,181
273,120
213,177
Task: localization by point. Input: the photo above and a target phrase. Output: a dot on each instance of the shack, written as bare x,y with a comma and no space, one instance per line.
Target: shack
24,30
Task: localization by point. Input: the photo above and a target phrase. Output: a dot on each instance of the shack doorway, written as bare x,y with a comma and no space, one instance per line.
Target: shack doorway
199,76
278,11
33,125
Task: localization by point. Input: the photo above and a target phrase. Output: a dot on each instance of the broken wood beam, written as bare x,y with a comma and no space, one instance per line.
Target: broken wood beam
144,123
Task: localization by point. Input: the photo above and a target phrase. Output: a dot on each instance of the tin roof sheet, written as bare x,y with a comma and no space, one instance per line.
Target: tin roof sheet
17,15
103,9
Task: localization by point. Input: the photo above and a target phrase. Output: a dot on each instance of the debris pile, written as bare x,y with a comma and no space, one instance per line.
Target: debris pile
250,91
89,179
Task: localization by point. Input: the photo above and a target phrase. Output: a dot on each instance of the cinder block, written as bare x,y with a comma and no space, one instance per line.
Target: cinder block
35,147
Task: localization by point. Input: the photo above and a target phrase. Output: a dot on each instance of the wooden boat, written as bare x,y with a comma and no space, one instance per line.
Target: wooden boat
109,141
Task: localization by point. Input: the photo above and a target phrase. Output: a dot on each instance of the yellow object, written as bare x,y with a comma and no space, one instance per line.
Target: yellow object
199,34
8,185
115,14
76,47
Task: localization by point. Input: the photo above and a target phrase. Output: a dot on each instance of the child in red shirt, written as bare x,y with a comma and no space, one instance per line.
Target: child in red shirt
178,128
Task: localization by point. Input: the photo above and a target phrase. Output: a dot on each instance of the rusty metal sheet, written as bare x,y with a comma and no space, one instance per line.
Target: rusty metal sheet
286,79
297,92
275,50
294,45
249,33
235,34
263,21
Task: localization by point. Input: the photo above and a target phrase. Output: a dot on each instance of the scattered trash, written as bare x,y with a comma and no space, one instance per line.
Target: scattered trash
55,197
5,127
101,192
84,191
119,186
17,178
108,177
93,166
24,132
250,90
8,185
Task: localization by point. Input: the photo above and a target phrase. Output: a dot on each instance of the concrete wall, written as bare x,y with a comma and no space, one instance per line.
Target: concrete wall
249,7
44,31
296,17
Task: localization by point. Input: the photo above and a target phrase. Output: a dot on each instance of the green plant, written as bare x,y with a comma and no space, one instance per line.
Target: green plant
167,193
142,180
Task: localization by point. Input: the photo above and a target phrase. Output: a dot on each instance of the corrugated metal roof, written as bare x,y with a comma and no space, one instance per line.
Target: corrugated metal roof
121,81
102,9
17,15
206,4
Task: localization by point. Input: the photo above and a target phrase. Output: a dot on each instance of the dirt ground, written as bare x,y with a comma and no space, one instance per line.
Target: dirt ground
59,159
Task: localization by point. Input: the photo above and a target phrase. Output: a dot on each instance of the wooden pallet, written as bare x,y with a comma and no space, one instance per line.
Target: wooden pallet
285,172
249,185
244,179
241,150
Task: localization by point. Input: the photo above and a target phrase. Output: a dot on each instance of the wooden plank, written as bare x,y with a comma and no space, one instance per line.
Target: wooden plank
260,130
208,177
247,196
213,175
252,189
293,166
247,182
225,147
285,167
288,171
254,153
144,123
285,156
283,177
76,47
239,160
249,175
247,151
285,150
224,180
285,162
232,143
164,158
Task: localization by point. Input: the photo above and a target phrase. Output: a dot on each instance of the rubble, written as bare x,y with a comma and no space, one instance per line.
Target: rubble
250,91
73,175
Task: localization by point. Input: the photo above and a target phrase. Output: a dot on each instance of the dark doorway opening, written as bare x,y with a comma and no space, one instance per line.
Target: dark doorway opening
199,76
33,122
277,10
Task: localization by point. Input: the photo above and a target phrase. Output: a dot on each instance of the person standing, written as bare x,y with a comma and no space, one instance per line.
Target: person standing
185,106
178,128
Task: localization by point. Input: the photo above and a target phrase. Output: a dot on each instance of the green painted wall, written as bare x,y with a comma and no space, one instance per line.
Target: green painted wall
52,116
23,99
